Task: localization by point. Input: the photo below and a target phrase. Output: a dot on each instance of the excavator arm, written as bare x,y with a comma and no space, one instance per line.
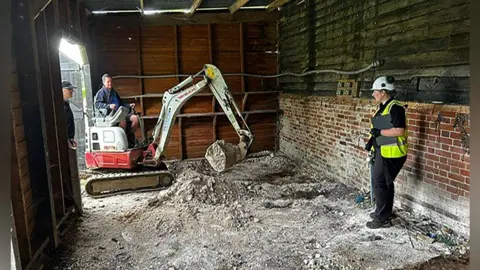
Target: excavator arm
218,154
176,97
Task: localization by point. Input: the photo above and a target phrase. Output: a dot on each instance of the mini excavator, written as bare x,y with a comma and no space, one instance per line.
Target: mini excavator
119,169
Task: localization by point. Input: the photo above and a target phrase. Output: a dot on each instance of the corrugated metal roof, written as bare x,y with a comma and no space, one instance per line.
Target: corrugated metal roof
104,5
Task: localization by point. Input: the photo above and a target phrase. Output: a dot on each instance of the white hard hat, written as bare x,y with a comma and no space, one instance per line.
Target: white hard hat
384,83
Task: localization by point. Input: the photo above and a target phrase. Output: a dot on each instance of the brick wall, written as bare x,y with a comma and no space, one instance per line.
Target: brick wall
330,133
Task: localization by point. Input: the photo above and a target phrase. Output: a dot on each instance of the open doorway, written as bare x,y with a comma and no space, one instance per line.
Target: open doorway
75,69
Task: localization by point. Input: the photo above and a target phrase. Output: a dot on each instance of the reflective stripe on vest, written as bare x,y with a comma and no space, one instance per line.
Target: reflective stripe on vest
392,147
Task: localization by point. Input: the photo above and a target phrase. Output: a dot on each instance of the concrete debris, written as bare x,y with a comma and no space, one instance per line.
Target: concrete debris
266,212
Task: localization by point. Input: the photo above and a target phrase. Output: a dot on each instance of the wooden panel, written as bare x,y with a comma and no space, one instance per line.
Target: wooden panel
184,49
415,38
193,48
159,86
199,104
267,101
197,134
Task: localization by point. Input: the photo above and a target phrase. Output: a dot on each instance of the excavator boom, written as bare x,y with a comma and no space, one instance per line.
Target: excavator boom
218,154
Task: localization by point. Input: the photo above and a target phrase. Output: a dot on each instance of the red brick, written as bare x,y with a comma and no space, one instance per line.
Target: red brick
455,135
467,194
445,147
443,153
441,179
460,192
442,186
429,181
433,138
443,173
457,150
452,189
446,127
448,114
464,187
455,197
445,134
456,177
457,143
411,122
431,169
412,115
456,163
445,140
413,128
433,144
455,170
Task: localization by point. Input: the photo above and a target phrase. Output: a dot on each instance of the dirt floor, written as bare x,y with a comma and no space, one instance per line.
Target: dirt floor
264,213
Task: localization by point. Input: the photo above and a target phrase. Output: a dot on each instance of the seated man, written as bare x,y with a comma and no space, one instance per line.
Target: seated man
108,98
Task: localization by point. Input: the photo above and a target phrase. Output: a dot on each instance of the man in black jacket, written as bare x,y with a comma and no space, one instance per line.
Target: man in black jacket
108,98
67,89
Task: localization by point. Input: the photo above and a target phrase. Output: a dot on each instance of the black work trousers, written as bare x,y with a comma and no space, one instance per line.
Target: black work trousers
385,170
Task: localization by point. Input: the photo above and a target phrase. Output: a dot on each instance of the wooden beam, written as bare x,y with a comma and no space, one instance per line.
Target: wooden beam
200,18
175,41
142,6
206,94
276,4
214,128
193,7
237,5
242,58
180,137
189,115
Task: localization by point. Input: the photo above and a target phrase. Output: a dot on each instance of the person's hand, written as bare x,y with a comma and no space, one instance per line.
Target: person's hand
72,144
132,105
112,106
375,132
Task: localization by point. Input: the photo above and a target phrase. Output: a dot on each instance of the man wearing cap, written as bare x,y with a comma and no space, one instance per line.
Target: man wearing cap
388,141
67,89
108,98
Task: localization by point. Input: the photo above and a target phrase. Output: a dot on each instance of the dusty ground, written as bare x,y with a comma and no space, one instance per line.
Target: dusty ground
264,213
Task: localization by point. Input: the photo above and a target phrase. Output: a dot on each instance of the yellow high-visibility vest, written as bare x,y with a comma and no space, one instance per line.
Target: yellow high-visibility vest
391,147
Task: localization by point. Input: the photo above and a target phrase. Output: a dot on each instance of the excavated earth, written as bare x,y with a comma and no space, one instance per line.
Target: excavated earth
264,213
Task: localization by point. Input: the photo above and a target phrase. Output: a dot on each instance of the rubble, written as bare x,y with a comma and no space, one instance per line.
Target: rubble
264,213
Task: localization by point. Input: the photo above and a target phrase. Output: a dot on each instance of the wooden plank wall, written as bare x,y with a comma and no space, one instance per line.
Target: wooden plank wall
41,175
425,45
152,49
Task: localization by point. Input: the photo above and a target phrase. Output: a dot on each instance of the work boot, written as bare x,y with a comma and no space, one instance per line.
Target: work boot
378,224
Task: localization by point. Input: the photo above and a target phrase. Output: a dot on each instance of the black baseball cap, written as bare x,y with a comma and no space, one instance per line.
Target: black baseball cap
68,85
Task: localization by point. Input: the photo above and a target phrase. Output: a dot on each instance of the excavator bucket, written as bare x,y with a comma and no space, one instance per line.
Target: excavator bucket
222,155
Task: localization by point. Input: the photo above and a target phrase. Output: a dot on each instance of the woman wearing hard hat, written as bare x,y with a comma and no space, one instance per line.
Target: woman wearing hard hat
388,141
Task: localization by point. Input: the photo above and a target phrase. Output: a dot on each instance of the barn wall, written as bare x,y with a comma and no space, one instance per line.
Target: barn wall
41,181
425,45
128,45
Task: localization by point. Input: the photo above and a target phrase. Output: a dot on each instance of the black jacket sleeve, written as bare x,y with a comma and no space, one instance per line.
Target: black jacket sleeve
397,113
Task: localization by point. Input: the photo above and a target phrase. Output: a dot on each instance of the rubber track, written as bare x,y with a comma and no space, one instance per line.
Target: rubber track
117,176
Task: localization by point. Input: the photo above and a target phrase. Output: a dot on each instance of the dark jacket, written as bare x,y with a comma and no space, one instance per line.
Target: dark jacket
69,120
105,97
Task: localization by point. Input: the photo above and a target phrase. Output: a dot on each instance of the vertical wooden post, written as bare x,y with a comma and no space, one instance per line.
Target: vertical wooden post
140,66
177,62
242,57
180,137
177,72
